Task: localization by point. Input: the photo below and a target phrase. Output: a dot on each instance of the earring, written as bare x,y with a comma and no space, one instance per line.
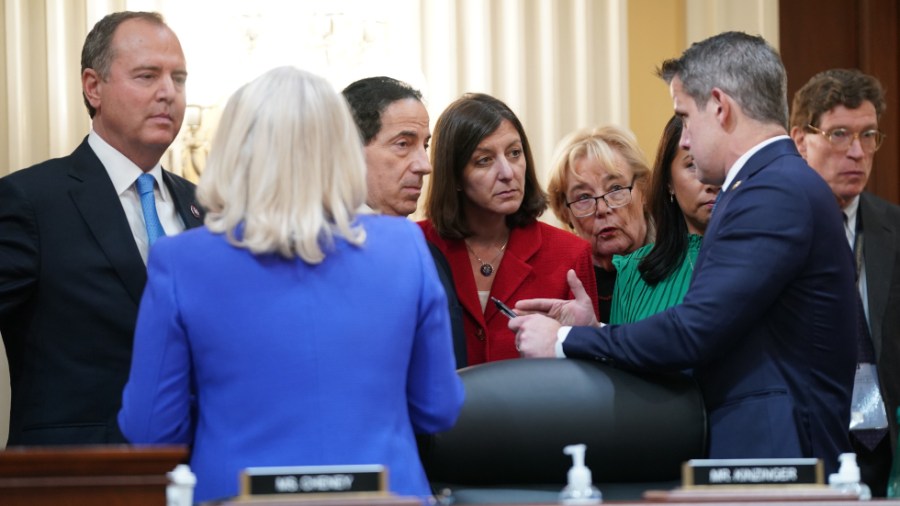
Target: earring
671,198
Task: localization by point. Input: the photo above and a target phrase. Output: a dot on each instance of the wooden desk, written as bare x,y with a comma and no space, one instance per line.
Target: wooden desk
87,476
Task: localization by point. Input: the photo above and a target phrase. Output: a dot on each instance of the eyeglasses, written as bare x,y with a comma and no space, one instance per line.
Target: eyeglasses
586,206
842,138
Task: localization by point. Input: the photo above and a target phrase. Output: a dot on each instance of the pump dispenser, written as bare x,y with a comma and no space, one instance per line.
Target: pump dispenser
847,478
180,491
579,489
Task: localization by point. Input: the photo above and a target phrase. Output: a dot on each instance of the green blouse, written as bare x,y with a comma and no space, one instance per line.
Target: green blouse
633,299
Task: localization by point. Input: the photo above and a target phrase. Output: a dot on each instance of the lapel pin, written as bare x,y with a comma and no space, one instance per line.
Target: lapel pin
736,184
195,211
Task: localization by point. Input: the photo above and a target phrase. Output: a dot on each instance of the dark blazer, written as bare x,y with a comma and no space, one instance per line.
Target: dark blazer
71,278
534,264
765,325
456,319
881,248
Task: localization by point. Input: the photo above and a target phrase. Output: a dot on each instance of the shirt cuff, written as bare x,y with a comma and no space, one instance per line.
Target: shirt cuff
561,336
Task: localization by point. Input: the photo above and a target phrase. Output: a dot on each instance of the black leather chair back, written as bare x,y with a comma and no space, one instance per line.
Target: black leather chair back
519,414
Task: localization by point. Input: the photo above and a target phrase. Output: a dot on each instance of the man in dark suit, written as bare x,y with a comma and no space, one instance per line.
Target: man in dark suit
395,132
834,122
75,233
764,324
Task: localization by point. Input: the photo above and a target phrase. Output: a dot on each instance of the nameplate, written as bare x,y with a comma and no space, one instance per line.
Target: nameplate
300,480
751,472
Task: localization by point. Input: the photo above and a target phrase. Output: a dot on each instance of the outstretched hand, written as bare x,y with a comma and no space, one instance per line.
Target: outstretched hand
577,311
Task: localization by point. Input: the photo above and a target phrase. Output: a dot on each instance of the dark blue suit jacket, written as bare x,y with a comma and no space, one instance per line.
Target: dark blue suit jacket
767,325
71,278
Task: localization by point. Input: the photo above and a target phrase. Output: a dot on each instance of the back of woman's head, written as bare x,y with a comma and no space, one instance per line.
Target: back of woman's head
458,131
285,171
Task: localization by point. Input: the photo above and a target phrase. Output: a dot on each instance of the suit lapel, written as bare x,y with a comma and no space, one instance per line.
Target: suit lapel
467,291
185,201
879,239
95,198
757,162
523,245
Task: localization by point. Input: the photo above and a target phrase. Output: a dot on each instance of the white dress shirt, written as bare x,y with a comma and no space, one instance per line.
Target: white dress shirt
851,212
123,173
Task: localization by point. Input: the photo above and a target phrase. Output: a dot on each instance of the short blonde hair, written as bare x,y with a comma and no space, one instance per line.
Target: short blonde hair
286,171
601,144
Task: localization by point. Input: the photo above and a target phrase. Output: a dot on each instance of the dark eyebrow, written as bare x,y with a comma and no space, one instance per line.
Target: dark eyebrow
142,68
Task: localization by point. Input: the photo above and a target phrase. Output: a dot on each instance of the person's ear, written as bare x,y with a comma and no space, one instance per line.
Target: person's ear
90,85
799,136
724,107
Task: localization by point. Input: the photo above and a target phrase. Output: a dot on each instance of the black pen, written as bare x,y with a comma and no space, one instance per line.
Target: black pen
504,308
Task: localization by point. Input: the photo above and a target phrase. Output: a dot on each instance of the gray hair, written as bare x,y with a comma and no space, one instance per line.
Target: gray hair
745,67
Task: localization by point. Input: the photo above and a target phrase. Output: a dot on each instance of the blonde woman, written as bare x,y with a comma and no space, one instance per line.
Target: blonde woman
598,187
289,330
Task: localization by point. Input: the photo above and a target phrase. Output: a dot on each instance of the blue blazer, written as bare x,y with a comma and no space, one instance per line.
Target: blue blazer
257,360
768,324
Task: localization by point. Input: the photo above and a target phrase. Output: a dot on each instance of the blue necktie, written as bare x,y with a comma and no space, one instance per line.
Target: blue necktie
144,186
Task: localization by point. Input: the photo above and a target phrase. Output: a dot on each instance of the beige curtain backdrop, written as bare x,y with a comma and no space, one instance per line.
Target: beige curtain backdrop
560,64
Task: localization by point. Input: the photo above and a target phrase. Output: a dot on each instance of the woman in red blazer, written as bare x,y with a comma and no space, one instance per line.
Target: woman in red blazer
482,208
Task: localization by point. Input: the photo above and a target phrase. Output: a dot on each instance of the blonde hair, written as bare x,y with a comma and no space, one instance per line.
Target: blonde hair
285,172
601,144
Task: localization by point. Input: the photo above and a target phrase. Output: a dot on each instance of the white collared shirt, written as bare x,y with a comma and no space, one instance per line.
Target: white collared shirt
123,173
851,212
740,162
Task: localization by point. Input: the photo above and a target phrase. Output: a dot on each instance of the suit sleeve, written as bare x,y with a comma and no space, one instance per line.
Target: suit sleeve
760,245
18,248
19,263
156,402
434,390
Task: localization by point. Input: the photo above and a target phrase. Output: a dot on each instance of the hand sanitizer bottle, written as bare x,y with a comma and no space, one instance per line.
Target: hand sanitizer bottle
847,478
180,491
579,489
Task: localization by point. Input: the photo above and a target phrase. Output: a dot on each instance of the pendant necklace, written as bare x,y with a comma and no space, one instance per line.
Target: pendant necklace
487,268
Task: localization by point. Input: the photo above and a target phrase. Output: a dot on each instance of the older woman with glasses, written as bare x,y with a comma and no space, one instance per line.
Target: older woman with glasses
482,207
597,186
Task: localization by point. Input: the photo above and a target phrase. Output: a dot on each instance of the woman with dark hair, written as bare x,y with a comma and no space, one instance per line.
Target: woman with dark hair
656,276
482,208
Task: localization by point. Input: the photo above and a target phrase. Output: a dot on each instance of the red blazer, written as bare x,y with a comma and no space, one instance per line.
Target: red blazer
535,264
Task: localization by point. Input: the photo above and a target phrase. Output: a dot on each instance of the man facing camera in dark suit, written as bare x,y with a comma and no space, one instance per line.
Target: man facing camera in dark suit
75,234
393,124
764,324
834,122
